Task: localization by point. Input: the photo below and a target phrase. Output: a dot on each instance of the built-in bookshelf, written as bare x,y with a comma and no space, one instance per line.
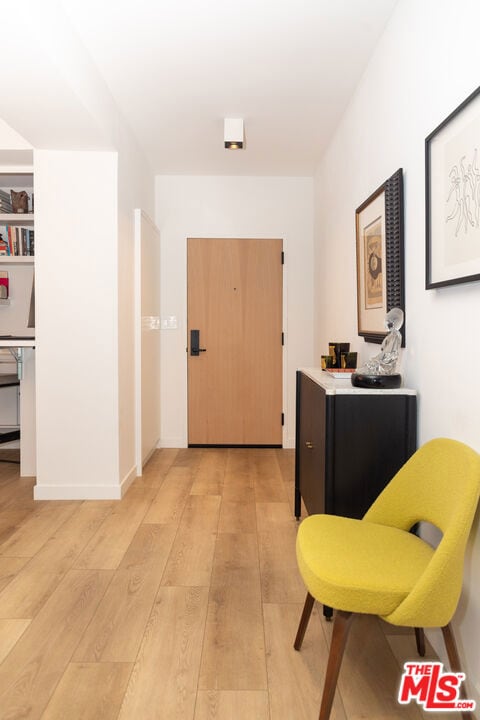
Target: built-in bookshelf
17,236
17,246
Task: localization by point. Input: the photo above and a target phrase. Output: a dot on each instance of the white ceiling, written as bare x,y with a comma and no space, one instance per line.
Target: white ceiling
176,68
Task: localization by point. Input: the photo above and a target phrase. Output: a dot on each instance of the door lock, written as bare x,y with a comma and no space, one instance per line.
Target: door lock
195,348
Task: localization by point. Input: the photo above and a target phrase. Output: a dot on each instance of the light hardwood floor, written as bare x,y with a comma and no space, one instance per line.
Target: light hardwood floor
179,602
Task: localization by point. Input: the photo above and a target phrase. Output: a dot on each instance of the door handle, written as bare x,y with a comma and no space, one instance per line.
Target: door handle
195,348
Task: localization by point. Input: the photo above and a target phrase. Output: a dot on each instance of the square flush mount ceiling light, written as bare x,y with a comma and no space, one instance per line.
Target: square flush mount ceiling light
233,133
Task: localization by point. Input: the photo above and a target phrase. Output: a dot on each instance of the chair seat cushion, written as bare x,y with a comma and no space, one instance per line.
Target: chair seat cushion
359,566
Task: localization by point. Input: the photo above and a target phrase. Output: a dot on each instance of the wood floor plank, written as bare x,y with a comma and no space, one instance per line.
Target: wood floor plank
234,650
201,513
161,460
12,517
286,463
31,671
189,458
65,545
237,517
190,561
272,515
232,705
109,544
90,691
281,581
210,473
9,567
156,469
169,502
10,632
17,492
116,630
164,679
239,461
35,582
238,483
238,488
268,481
9,469
295,679
28,592
37,529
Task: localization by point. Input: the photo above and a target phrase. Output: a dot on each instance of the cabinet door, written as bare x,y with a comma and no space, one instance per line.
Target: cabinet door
374,436
311,445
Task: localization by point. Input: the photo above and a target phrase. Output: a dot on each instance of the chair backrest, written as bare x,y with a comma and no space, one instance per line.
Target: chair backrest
440,484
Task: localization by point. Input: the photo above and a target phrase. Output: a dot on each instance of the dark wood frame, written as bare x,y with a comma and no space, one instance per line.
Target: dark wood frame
394,250
430,237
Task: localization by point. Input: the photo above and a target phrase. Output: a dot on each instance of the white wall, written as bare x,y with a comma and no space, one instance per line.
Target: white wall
233,207
426,63
135,190
76,324
85,320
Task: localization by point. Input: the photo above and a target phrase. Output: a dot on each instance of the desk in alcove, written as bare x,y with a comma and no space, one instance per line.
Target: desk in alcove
22,349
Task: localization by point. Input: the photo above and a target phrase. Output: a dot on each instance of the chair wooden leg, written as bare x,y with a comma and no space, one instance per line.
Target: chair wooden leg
307,611
341,627
454,659
420,638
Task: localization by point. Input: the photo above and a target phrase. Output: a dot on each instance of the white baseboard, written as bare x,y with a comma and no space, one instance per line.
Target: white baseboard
172,442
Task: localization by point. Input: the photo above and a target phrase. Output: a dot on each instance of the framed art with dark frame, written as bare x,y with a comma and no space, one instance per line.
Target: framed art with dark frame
380,259
452,197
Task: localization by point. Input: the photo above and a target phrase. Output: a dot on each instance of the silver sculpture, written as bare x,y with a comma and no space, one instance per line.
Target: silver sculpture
386,361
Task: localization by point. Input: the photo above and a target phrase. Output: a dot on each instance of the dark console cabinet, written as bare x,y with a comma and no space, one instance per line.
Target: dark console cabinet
349,442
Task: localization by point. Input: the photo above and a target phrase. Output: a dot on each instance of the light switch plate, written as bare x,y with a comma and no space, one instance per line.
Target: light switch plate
169,322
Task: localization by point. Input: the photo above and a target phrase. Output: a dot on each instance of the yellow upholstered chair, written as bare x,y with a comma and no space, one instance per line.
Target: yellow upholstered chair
376,565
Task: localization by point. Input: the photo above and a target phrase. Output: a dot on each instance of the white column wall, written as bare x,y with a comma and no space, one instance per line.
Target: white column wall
76,324
135,190
425,65
233,207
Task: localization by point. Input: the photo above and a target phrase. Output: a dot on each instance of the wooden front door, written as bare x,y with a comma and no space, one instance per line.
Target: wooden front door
235,304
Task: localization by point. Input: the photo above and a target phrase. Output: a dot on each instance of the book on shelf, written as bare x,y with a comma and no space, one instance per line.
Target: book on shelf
4,285
18,241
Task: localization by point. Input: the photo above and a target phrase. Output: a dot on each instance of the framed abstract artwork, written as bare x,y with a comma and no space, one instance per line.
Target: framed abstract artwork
380,261
452,197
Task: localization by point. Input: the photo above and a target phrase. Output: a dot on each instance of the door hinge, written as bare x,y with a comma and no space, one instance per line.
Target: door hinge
283,419
283,338
283,258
